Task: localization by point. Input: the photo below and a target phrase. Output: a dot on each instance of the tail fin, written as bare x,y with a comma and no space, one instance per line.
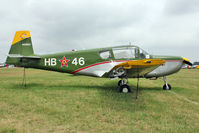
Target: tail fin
21,47
22,44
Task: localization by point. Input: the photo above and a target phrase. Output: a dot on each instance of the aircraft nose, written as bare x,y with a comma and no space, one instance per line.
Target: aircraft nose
187,61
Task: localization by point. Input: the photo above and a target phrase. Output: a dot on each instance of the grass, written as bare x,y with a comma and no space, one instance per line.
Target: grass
59,102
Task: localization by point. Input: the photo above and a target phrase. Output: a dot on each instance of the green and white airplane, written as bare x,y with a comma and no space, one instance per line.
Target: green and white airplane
113,62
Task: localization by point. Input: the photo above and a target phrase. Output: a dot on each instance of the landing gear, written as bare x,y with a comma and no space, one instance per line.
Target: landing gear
123,81
166,86
124,88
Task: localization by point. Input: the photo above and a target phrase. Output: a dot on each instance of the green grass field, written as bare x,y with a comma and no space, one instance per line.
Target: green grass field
59,102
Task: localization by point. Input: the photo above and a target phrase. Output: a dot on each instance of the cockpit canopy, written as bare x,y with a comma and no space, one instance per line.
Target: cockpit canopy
126,52
130,52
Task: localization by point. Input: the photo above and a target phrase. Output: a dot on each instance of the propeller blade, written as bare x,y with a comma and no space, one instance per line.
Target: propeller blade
186,61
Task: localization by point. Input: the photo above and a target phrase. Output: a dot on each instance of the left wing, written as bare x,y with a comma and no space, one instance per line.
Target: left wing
136,68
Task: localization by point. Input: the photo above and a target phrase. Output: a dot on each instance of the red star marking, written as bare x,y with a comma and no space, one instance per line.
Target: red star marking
64,62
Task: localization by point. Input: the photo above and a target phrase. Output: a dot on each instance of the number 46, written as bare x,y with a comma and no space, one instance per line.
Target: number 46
80,61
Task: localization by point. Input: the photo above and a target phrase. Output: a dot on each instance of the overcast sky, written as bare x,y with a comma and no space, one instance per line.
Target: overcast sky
162,27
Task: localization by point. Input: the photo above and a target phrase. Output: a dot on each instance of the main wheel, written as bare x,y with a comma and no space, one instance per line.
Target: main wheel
167,88
125,89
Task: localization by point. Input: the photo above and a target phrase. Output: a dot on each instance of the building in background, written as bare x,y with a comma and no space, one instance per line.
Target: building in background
196,65
2,64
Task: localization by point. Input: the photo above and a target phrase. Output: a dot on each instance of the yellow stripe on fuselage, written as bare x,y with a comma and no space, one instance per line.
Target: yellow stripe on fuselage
141,63
20,35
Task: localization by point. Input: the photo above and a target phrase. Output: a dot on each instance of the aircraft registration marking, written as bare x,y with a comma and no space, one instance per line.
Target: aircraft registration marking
64,61
50,61
79,61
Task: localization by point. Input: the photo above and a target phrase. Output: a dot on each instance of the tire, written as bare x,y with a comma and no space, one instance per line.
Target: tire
165,87
125,89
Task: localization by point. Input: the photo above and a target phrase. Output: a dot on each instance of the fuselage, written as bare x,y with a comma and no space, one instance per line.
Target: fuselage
99,62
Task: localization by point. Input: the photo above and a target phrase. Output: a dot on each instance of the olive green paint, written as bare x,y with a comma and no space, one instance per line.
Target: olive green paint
30,60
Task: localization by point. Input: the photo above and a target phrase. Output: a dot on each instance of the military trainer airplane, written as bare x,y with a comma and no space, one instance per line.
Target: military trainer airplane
122,62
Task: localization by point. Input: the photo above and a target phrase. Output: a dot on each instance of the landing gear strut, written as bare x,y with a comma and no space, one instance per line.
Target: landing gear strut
166,86
124,88
123,81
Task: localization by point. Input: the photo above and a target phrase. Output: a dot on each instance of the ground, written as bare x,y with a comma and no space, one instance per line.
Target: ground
59,102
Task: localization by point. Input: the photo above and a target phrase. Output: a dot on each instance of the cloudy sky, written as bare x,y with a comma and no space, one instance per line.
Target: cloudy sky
163,27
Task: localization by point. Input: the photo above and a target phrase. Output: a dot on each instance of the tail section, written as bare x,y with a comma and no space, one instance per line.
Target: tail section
21,50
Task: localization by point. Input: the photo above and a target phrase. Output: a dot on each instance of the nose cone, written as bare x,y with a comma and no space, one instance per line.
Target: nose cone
187,61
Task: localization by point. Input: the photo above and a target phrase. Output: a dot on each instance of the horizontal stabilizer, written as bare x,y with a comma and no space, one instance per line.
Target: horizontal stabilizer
22,56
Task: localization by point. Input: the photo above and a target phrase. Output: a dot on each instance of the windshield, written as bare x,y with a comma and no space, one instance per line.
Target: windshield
125,53
144,54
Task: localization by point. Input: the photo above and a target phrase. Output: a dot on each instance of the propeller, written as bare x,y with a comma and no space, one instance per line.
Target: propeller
187,61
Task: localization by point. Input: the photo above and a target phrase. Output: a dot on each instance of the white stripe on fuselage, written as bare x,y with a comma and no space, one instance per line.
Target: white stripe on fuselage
98,70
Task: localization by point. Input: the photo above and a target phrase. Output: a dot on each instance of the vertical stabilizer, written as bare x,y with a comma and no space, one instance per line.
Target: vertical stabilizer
22,44
21,47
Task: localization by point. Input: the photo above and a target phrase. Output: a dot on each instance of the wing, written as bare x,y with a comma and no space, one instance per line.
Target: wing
135,68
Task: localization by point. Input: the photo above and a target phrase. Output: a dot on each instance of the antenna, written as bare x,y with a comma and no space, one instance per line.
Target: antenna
138,76
137,90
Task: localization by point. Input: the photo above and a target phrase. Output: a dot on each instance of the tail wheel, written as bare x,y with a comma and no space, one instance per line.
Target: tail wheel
167,87
125,89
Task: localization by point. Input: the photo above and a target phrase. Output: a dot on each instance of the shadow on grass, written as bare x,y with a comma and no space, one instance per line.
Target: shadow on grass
107,86
17,86
107,94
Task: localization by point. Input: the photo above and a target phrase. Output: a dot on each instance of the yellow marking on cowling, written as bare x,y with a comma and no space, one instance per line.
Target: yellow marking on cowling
186,59
20,35
140,63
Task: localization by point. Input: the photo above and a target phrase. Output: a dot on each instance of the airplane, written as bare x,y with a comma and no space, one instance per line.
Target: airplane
128,61
2,65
